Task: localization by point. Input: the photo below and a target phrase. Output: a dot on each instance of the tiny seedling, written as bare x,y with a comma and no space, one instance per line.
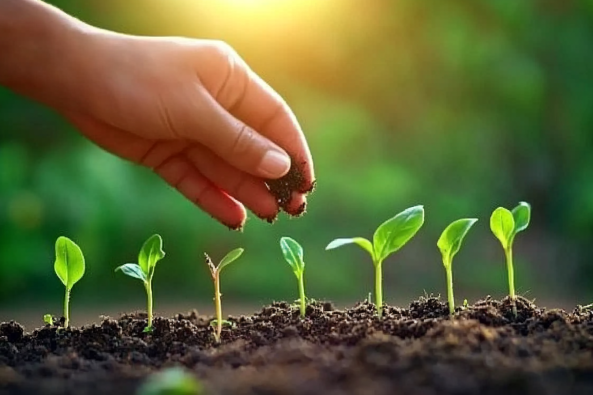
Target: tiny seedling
293,253
48,319
389,237
150,253
449,244
215,272
505,225
69,267
171,381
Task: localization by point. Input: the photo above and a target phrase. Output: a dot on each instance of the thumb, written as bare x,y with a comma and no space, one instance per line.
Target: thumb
234,141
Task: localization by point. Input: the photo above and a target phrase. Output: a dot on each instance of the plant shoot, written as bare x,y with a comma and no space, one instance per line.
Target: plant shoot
449,244
389,237
150,253
48,319
69,267
215,272
171,381
505,225
293,253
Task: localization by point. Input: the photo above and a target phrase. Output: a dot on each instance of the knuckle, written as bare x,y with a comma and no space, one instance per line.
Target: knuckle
222,50
245,141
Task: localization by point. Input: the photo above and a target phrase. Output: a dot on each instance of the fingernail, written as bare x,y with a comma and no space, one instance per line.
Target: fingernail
274,164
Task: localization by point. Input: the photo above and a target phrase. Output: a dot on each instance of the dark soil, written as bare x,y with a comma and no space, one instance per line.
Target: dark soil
414,351
293,181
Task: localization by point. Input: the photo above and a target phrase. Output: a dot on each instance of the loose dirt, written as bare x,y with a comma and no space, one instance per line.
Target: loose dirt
417,350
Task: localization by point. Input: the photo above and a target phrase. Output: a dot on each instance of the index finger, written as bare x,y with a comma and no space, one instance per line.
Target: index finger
250,99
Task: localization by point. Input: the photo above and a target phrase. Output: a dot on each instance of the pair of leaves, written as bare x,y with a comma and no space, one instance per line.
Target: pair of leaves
452,237
390,236
506,224
69,264
293,253
227,260
150,253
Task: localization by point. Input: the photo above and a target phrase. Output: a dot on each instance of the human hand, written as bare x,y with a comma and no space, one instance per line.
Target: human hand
194,112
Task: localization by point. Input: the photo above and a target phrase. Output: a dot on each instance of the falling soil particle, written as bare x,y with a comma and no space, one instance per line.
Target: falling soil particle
418,350
293,181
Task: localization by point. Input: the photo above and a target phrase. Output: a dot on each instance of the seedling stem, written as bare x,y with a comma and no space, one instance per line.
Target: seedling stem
379,287
508,252
215,272
302,296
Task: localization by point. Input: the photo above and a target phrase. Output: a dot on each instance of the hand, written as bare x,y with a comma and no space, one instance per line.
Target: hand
194,112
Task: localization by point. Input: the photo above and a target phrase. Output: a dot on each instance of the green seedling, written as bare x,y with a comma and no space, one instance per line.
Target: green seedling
171,381
449,244
69,267
215,272
505,225
389,237
150,253
293,253
48,319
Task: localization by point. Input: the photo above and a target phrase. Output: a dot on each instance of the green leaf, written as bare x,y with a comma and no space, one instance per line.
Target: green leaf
394,233
522,216
48,319
150,253
230,257
133,270
502,225
452,237
293,253
69,264
360,241
171,381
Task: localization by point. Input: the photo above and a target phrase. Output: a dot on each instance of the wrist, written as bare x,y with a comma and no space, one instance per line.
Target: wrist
42,50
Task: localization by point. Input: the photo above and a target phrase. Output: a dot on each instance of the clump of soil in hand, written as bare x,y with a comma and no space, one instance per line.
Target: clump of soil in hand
293,181
482,350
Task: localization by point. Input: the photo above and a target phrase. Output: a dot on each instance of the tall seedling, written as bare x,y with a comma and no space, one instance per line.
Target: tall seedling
389,237
293,253
69,267
505,225
215,272
449,244
150,253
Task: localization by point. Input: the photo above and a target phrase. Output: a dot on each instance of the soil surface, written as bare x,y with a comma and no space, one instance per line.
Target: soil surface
418,350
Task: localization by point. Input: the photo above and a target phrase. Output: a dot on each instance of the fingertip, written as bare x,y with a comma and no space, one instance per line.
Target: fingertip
274,164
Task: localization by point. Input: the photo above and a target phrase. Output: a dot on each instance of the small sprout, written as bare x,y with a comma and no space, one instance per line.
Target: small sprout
150,253
69,267
465,304
171,381
215,272
389,237
449,244
293,253
505,225
48,319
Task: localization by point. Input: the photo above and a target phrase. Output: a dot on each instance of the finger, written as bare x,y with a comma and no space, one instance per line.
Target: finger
165,158
181,174
203,120
253,101
246,188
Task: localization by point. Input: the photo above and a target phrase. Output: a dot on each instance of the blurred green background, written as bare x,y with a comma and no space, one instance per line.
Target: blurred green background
460,106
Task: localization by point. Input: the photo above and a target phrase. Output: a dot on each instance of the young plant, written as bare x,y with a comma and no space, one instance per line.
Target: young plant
215,272
449,244
48,319
389,237
150,253
505,225
171,381
293,253
69,267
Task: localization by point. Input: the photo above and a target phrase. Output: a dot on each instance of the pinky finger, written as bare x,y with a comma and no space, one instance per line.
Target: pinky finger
178,172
